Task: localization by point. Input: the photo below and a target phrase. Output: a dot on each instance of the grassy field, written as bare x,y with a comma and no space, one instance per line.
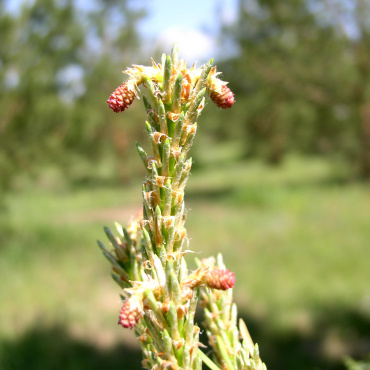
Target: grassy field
297,238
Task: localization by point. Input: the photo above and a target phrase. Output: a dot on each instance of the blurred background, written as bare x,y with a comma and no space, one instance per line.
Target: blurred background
280,183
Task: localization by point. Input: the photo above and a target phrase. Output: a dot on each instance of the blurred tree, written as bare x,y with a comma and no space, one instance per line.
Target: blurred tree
287,61
112,42
351,21
55,76
360,47
305,84
41,42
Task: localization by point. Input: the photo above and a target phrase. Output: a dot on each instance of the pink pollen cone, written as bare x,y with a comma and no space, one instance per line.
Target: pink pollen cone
225,99
130,314
220,279
121,98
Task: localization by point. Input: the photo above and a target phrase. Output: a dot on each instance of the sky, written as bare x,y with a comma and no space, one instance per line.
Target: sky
193,24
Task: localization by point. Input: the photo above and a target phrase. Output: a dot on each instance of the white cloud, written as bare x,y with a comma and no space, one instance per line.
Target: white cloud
194,45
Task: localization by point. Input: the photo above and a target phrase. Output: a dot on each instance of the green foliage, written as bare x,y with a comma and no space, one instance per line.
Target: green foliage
356,365
298,244
300,80
55,76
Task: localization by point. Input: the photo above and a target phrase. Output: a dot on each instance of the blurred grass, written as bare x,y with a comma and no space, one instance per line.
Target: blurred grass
297,237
